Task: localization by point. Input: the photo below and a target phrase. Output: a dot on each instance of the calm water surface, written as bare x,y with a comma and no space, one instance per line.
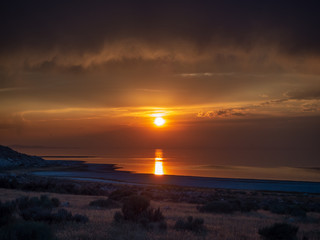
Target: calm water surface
209,163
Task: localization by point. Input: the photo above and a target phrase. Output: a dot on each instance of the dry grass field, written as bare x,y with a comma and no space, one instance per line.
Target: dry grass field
234,226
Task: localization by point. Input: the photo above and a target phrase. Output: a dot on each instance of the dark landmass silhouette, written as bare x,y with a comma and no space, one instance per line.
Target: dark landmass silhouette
10,158
110,173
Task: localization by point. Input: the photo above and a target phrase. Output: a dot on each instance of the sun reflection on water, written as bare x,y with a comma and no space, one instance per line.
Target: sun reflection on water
158,165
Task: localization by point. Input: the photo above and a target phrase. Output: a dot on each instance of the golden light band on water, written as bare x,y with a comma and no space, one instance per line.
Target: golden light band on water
158,169
158,165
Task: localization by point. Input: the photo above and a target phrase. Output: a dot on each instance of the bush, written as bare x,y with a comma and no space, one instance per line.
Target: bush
24,203
37,209
44,202
118,217
104,203
194,225
219,207
46,215
40,209
120,194
163,225
26,230
153,215
61,216
80,218
248,205
223,206
285,208
36,214
134,206
279,231
137,209
55,202
8,182
6,212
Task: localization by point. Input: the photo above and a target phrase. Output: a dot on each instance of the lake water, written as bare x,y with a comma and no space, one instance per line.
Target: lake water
248,164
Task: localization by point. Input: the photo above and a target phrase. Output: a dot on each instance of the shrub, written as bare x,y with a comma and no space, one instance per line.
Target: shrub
120,194
223,206
153,215
219,207
194,225
44,202
286,208
298,212
46,215
163,225
118,217
247,205
55,202
104,203
36,214
26,230
279,231
8,182
24,203
61,216
40,209
6,212
180,225
80,218
64,216
137,209
134,206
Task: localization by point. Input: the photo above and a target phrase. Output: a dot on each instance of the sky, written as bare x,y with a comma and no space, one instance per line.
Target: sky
223,74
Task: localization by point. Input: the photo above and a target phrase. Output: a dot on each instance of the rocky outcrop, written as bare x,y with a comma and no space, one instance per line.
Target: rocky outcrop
11,159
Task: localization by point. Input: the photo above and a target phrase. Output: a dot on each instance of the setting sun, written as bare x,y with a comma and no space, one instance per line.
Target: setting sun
159,121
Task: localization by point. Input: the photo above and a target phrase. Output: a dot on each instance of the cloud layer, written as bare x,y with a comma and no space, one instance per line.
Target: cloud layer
86,68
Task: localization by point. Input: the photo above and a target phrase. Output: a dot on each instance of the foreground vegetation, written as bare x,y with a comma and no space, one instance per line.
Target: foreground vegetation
29,218
128,214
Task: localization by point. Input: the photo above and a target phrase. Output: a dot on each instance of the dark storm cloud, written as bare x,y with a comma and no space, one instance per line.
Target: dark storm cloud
302,100
304,95
93,53
223,113
87,25
205,49
53,66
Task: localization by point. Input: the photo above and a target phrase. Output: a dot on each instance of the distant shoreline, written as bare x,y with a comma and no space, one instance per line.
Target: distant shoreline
110,173
171,166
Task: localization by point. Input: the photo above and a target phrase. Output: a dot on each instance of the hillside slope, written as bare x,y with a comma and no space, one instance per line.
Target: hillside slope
11,159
